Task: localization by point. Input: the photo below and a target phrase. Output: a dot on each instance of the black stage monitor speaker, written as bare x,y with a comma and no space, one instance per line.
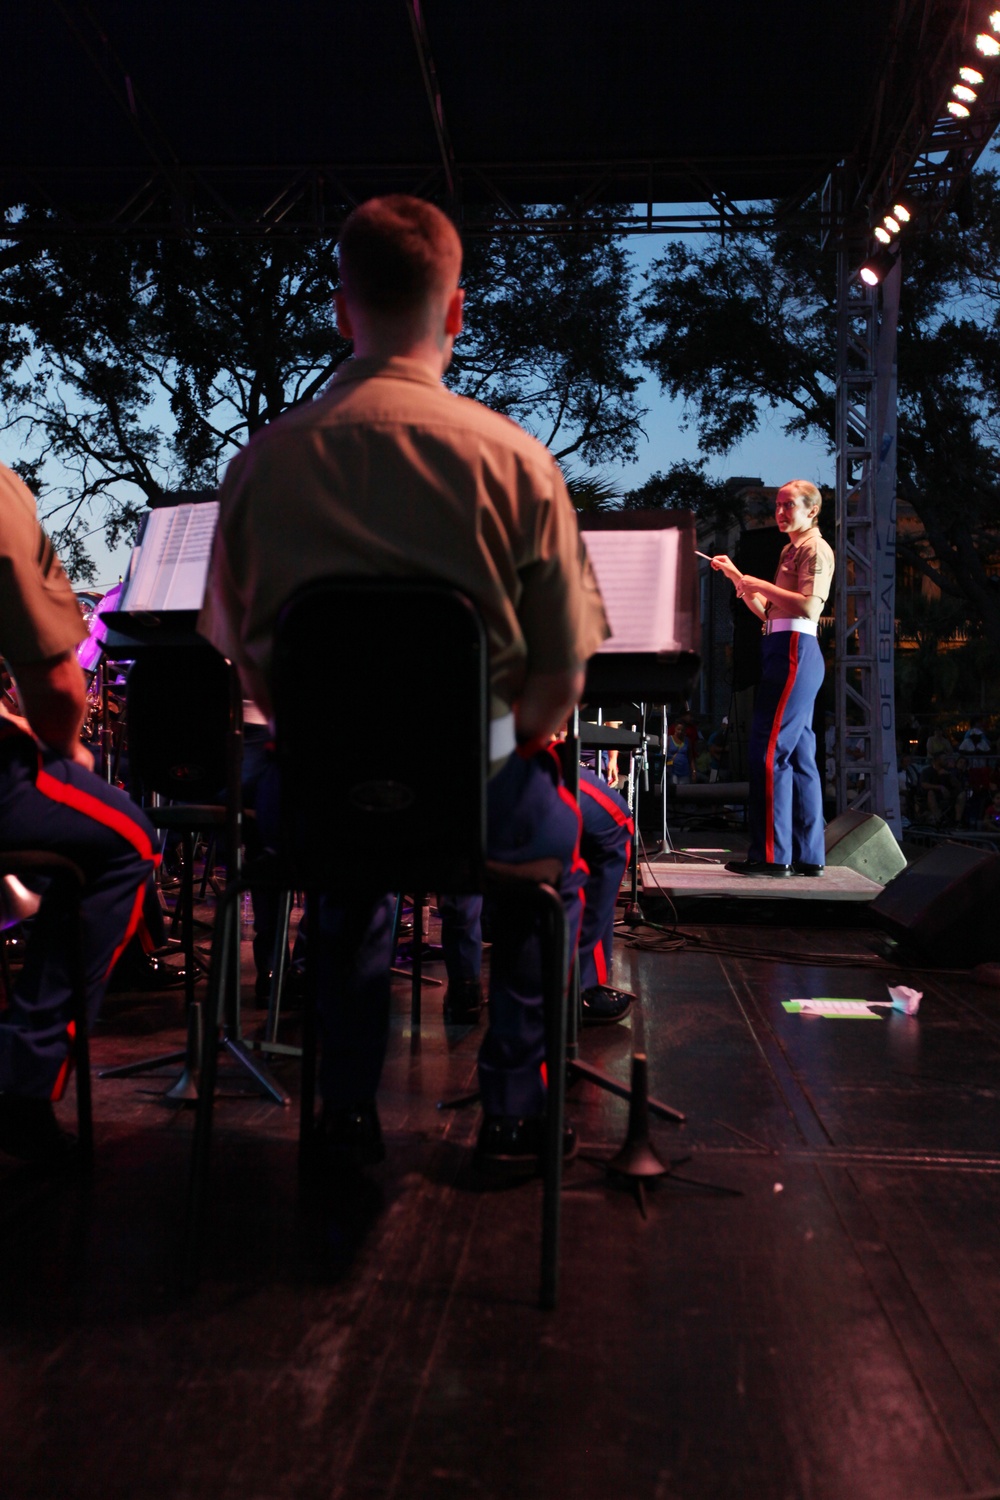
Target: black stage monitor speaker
946,905
865,844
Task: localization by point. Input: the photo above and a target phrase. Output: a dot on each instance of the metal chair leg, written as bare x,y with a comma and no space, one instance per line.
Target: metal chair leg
81,1042
416,971
552,923
194,1224
279,968
307,1101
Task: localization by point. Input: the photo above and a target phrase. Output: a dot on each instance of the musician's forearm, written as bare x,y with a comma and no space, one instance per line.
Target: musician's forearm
787,601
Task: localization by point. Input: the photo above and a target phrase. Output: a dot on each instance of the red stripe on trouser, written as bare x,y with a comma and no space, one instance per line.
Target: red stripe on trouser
610,806
600,963
133,923
92,807
772,745
578,863
622,818
62,1078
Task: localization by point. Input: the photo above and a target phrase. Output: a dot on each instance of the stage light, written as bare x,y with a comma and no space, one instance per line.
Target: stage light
961,92
995,20
891,224
901,212
970,75
958,110
882,235
877,267
987,45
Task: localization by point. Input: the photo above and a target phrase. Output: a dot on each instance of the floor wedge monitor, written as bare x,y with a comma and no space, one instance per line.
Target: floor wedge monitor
945,905
865,844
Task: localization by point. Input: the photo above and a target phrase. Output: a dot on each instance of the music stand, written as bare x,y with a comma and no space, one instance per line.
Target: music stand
166,616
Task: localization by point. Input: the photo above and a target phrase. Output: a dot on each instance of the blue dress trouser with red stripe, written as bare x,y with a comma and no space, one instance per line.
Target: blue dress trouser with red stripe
530,816
786,794
605,845
50,803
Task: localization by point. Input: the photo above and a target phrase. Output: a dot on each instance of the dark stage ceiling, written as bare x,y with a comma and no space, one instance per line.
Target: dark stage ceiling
159,114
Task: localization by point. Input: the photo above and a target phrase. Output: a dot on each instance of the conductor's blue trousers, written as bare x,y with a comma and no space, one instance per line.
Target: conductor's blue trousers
786,794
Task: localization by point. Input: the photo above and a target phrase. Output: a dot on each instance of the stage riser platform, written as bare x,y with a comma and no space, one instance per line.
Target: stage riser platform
694,880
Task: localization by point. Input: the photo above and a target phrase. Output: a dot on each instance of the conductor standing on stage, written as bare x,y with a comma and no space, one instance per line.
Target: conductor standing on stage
786,793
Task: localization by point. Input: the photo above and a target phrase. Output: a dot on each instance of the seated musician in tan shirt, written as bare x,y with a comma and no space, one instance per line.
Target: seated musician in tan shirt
389,475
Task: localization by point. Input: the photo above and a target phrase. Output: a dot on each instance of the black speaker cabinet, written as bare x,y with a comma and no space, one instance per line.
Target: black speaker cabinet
946,905
865,844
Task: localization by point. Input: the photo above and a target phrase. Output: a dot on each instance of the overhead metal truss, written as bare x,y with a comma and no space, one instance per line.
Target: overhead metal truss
310,201
926,154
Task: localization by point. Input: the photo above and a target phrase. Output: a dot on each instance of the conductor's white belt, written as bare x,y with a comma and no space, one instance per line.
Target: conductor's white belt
803,627
502,738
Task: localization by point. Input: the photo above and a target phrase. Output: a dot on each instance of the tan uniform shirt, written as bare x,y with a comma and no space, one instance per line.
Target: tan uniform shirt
804,567
390,475
39,615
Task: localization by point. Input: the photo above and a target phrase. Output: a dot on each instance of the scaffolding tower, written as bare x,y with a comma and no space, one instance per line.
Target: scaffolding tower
865,549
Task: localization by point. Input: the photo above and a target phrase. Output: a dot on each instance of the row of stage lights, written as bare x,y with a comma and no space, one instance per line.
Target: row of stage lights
878,265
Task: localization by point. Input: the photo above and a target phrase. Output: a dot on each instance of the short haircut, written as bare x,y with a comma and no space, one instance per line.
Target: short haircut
396,252
810,494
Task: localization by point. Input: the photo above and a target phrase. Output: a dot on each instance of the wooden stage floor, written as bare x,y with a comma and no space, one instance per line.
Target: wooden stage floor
830,1334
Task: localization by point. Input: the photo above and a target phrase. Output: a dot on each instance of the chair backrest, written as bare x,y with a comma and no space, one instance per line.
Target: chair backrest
381,712
179,704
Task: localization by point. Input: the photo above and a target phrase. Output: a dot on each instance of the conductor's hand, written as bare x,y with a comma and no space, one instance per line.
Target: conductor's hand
723,564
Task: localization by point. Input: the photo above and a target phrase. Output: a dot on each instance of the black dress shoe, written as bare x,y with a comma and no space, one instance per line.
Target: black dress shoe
758,867
510,1147
262,987
351,1136
463,1002
802,868
603,1006
29,1132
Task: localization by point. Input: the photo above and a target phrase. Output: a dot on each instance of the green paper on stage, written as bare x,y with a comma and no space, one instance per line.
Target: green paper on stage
832,1009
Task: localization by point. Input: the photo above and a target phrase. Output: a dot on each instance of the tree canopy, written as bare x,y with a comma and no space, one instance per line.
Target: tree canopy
131,369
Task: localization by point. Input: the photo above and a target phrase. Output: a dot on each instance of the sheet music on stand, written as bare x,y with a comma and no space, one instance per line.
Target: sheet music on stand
169,567
637,574
644,562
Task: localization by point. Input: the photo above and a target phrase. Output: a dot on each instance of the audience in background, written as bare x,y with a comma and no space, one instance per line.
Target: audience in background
945,799
975,741
938,743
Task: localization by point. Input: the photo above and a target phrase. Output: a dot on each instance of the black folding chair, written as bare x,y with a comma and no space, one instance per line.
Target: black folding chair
67,877
411,817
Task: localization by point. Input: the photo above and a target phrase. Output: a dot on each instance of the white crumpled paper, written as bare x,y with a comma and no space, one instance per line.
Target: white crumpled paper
904,999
